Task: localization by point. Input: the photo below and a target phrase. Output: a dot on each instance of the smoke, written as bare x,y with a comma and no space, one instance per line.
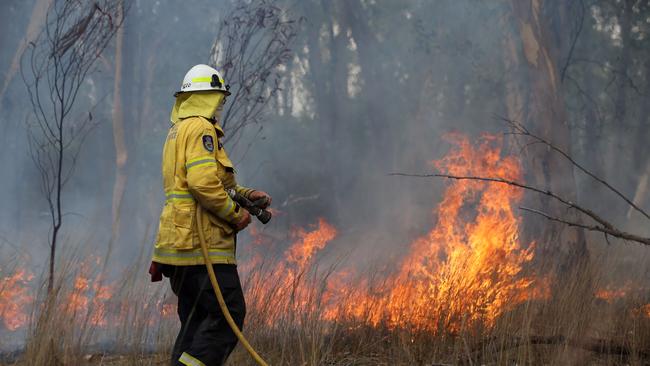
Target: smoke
372,88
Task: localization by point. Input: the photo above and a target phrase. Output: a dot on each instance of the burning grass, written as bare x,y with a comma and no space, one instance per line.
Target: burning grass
463,294
563,329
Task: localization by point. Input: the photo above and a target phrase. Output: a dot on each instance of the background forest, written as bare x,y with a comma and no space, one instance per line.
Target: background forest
362,89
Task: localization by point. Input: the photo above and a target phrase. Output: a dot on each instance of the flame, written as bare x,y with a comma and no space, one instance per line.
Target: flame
645,309
308,244
89,295
611,295
467,270
168,310
613,292
86,299
77,301
641,311
103,293
295,291
15,299
284,286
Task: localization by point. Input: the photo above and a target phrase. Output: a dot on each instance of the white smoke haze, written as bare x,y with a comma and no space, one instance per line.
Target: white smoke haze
371,89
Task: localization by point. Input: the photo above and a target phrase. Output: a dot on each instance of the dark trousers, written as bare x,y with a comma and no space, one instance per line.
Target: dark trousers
205,335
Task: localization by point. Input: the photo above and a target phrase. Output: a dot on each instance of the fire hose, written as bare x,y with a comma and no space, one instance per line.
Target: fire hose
264,216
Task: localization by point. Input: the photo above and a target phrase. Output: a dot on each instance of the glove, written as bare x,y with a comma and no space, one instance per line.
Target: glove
155,271
245,220
257,195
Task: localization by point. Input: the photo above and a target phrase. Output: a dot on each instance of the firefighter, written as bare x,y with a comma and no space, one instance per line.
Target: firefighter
197,171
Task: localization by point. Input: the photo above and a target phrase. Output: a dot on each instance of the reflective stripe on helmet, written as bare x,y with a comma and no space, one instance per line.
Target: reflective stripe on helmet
202,80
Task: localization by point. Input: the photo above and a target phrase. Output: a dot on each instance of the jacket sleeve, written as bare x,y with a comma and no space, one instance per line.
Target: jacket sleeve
244,191
201,168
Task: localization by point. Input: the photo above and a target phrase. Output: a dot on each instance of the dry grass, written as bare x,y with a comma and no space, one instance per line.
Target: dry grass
571,327
285,323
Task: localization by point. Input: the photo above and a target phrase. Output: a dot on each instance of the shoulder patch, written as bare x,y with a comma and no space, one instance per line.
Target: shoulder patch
208,143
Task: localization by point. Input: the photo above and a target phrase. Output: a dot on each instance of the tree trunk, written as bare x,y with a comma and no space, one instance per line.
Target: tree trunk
533,97
619,134
36,23
640,150
641,192
121,155
327,79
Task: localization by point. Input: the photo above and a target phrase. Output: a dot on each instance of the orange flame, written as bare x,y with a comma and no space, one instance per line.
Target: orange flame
614,292
89,296
15,299
467,270
292,293
308,244
610,295
646,310
168,310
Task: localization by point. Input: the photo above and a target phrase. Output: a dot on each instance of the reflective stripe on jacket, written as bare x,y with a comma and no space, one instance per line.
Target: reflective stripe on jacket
196,169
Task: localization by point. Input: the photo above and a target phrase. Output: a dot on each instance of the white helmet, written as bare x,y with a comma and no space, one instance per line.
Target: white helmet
203,77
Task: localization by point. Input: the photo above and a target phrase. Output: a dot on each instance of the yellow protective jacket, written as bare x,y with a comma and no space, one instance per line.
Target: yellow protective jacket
197,170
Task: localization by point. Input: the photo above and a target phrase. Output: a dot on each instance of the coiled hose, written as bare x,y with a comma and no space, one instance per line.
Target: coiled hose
217,291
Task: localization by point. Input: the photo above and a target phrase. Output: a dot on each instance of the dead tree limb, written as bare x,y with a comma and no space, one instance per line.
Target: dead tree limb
597,228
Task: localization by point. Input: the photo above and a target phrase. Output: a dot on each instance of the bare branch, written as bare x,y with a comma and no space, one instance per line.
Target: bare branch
564,201
520,129
604,226
598,228
251,47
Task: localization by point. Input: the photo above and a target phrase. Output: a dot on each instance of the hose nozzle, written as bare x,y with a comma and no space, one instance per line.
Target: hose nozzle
254,208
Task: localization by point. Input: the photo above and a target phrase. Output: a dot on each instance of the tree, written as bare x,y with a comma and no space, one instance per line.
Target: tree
533,96
253,43
54,68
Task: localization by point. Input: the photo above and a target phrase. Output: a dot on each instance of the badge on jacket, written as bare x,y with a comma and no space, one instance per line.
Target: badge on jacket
208,143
